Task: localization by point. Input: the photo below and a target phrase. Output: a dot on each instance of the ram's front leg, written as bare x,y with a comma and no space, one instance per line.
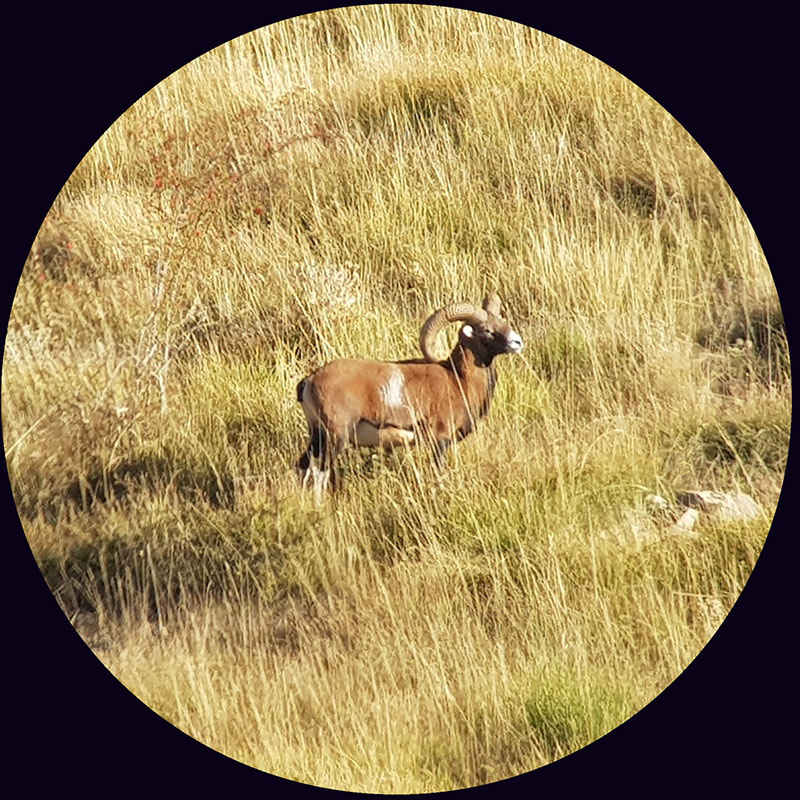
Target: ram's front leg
439,452
440,449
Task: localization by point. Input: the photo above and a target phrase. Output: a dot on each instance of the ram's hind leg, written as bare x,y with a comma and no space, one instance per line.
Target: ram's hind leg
316,463
311,462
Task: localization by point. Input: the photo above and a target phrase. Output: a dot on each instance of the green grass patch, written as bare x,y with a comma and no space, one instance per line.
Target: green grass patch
567,712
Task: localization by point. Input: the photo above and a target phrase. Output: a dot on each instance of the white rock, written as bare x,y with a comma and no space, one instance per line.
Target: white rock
723,506
660,510
656,501
684,526
687,521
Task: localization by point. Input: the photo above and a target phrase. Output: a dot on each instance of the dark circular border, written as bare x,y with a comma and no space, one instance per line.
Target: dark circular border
718,727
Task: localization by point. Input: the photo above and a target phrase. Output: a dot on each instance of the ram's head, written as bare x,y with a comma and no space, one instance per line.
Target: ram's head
485,331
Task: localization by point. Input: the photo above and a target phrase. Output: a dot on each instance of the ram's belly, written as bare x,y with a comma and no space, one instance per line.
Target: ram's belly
368,435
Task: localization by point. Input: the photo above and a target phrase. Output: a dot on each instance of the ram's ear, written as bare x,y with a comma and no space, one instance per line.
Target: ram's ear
491,303
467,330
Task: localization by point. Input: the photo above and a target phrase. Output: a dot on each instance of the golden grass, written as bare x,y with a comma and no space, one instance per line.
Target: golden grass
313,190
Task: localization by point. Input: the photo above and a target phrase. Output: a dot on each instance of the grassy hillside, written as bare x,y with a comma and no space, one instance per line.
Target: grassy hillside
314,190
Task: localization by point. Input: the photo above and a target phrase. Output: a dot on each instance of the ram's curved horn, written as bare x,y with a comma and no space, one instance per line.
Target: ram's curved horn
492,304
459,312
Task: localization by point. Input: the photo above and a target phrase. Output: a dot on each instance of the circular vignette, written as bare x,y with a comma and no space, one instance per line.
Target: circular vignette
708,667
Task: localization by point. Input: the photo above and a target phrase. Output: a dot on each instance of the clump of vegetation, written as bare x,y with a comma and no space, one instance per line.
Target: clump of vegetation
564,712
313,190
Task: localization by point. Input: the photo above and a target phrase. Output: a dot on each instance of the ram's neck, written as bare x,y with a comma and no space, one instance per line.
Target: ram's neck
478,379
466,361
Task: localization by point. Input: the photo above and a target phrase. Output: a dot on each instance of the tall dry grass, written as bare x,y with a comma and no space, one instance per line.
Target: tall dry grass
314,190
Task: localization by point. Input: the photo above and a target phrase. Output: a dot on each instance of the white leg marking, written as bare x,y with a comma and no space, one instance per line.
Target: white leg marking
321,477
316,479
